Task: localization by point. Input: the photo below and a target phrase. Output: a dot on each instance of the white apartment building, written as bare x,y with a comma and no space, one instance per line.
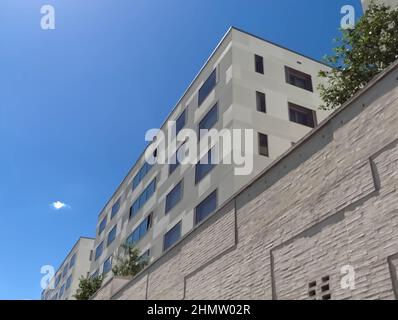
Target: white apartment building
65,282
247,83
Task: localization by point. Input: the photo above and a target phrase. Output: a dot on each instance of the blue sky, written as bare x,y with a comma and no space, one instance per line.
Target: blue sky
75,103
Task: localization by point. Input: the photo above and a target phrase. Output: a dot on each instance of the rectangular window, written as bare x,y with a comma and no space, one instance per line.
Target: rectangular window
61,292
134,208
65,271
72,261
207,87
261,102
140,231
263,144
98,251
136,181
180,123
298,79
143,198
145,226
172,237
115,208
95,274
142,173
107,265
68,282
174,197
203,168
102,225
175,159
133,238
209,120
259,64
151,189
57,280
302,115
111,236
206,207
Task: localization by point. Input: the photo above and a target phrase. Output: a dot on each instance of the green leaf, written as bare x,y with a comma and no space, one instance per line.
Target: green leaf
360,54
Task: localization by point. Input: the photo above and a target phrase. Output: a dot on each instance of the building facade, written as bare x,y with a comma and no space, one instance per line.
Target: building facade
321,222
247,83
65,282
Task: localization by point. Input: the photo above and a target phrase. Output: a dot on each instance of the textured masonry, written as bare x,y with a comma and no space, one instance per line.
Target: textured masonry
330,202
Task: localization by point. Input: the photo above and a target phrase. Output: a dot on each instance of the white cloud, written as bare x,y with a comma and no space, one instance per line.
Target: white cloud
58,205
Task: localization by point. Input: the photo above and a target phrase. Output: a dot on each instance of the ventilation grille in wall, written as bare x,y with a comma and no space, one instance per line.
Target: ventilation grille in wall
320,290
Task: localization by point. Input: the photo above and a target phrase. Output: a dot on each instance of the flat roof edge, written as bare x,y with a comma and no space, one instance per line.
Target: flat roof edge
69,252
233,198
280,46
190,86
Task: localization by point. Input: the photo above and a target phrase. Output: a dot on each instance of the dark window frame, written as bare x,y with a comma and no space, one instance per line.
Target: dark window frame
261,147
207,116
201,176
171,245
293,76
261,97
107,270
139,202
102,225
98,254
141,174
199,217
173,167
109,240
259,64
180,126
138,233
207,87
295,109
179,186
116,207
